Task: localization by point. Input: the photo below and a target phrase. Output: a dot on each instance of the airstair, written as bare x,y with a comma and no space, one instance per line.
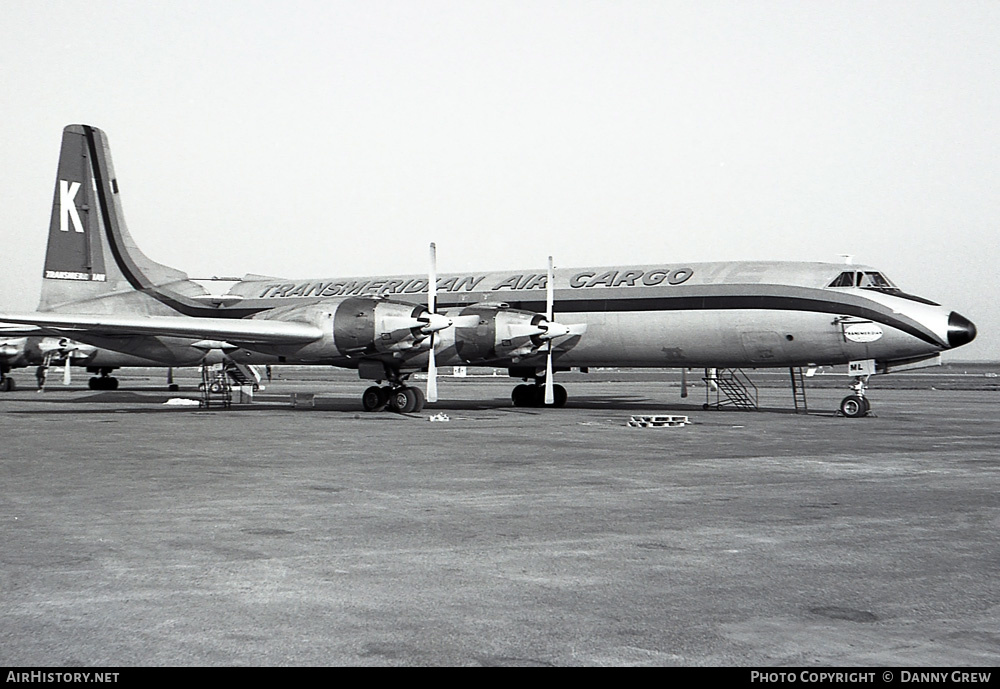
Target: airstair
241,374
215,387
799,390
733,388
217,383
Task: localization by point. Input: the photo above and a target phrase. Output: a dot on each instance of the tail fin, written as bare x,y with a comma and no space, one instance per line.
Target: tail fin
92,263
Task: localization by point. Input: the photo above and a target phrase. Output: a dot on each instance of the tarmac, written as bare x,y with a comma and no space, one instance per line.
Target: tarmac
137,533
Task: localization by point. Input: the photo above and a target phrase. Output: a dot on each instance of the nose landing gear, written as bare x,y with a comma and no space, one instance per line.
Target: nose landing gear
103,381
856,405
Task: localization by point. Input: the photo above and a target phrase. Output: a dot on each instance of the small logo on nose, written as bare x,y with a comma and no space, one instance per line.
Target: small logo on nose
862,332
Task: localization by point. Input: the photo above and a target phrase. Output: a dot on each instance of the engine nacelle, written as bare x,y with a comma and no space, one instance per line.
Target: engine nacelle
502,333
356,328
380,326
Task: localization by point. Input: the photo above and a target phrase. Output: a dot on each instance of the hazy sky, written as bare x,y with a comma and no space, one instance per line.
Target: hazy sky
313,139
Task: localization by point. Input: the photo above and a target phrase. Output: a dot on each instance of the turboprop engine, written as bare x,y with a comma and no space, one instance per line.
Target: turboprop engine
363,326
505,333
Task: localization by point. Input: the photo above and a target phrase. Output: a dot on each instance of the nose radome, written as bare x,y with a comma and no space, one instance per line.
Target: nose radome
960,330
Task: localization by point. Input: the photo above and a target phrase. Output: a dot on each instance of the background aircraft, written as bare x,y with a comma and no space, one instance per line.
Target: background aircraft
45,353
99,288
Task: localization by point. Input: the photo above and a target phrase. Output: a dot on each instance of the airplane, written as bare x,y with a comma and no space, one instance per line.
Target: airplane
43,353
100,289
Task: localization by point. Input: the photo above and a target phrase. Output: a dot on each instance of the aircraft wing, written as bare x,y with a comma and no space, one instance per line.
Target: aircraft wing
256,331
16,330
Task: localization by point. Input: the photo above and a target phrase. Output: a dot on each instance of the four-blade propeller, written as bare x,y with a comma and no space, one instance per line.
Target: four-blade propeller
546,330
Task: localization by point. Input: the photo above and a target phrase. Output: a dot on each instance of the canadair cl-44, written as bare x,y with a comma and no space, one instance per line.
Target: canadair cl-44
100,289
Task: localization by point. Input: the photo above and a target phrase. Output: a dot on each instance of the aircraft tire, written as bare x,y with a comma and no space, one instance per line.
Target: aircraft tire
854,406
522,395
112,383
94,383
421,400
560,394
403,400
374,398
7,385
173,387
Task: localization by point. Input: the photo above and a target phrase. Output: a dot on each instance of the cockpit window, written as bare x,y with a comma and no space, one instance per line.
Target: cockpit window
843,280
874,281
868,280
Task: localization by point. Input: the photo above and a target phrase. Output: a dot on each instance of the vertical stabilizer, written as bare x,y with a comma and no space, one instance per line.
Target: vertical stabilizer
91,257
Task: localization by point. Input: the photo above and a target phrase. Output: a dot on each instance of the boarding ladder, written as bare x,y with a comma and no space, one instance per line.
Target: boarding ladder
735,386
799,389
215,387
241,374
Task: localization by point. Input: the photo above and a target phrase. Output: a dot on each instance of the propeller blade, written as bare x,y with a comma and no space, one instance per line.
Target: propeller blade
432,281
554,330
432,384
550,397
67,376
433,323
549,293
524,330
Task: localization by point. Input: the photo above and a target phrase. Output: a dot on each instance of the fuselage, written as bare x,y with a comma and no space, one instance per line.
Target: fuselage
755,314
723,314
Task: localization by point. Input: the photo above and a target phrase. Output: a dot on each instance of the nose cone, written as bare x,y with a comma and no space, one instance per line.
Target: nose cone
960,330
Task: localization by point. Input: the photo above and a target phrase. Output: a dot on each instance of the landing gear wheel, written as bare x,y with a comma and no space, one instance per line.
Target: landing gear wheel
103,383
522,396
7,384
560,394
534,396
421,400
404,400
375,398
854,406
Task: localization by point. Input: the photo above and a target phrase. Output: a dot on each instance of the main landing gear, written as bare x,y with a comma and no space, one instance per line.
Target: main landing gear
403,399
104,381
533,395
856,404
6,382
